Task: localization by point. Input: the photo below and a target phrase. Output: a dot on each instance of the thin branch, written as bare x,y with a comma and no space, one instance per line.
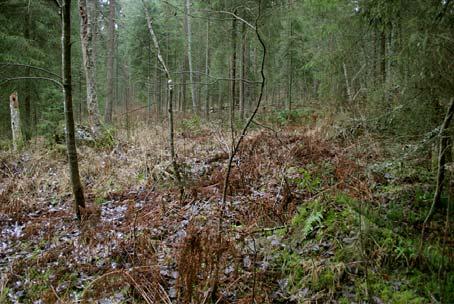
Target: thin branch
31,77
232,14
31,67
57,3
234,151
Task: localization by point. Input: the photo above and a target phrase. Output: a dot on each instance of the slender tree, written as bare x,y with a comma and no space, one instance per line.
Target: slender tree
170,86
79,200
27,99
187,20
243,69
110,63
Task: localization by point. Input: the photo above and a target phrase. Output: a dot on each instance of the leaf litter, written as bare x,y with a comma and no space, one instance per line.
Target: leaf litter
140,241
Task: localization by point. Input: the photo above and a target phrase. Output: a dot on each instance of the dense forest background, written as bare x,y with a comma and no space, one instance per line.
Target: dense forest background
254,151
386,60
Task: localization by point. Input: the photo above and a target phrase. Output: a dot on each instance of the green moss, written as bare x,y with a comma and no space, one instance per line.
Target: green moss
99,200
325,280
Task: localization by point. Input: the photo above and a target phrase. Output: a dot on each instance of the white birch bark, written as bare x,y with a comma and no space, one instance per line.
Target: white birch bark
15,120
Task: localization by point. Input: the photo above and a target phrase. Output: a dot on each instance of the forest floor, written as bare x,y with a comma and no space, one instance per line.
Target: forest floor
314,214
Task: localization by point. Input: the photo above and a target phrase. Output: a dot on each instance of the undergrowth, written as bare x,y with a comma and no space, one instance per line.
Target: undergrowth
310,218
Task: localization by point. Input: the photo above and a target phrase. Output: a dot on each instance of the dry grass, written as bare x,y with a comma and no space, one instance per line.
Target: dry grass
146,243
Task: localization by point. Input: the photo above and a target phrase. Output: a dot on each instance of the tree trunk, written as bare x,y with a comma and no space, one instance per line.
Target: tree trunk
375,58
347,84
187,21
110,63
127,96
27,105
86,10
15,120
69,116
383,56
80,96
290,63
149,84
184,84
207,69
243,69
233,69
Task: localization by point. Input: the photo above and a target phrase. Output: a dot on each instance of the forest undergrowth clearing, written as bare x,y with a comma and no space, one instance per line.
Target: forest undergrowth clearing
291,230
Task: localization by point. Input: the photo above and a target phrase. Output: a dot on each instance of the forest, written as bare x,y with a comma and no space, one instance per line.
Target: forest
226,151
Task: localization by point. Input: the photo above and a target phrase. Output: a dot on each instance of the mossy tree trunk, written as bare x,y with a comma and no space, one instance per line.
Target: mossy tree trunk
87,27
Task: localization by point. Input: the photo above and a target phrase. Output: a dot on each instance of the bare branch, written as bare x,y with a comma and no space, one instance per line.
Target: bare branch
231,14
31,77
31,67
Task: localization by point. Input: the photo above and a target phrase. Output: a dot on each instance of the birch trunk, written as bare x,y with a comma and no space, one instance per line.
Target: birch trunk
347,84
86,11
15,120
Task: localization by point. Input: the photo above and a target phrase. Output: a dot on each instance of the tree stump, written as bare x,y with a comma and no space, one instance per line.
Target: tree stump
15,120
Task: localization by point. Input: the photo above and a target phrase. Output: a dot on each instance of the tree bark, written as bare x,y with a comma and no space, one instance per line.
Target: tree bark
86,11
233,70
243,70
110,63
187,21
69,116
207,68
27,104
290,62
383,56
15,120
149,85
347,84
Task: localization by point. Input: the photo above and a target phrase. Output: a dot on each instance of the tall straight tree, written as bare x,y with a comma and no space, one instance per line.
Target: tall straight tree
110,63
290,59
233,68
187,21
207,66
243,69
87,24
27,104
79,200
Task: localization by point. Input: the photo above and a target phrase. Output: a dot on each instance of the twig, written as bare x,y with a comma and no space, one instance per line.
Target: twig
263,230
